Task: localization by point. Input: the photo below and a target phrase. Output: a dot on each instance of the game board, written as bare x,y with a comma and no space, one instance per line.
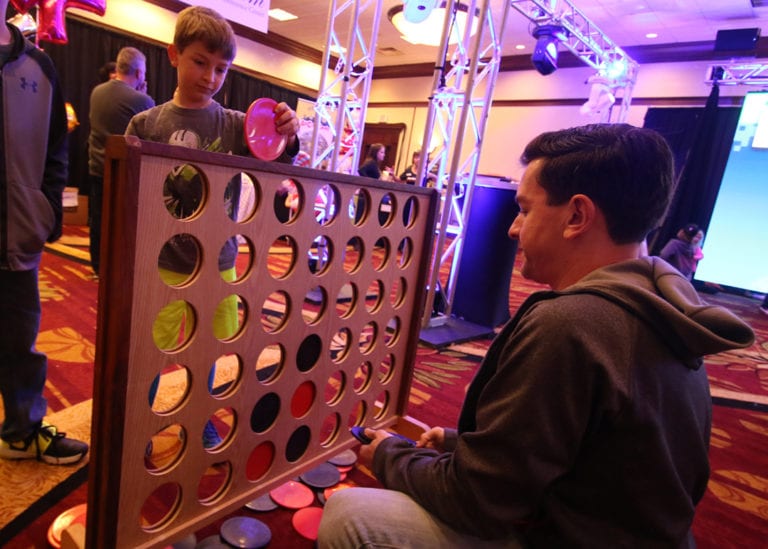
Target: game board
323,306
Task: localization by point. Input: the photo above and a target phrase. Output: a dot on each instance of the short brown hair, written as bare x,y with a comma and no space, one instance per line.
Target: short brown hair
197,23
627,171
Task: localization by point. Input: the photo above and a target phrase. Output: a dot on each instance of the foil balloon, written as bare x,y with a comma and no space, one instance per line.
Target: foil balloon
25,23
50,15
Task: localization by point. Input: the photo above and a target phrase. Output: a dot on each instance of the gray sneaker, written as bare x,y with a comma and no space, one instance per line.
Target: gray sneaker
45,444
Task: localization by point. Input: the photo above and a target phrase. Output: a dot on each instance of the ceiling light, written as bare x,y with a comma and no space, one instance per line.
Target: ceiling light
281,15
430,31
652,35
545,53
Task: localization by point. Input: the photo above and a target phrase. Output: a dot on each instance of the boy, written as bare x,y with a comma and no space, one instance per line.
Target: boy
202,51
33,174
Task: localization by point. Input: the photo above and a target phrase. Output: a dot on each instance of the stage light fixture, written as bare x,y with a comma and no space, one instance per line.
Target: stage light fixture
601,97
425,26
545,53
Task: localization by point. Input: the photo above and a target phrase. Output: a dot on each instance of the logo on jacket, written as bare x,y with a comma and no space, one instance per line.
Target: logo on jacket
25,84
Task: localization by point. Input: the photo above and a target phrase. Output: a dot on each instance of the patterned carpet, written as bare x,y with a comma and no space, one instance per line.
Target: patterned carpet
734,512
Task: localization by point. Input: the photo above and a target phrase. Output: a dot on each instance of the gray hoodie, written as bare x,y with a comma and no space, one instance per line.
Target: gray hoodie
588,422
33,159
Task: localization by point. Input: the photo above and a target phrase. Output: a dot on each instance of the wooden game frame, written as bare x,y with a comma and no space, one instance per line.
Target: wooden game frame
379,337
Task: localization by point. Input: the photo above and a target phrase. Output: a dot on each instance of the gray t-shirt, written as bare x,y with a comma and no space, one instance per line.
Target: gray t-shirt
213,128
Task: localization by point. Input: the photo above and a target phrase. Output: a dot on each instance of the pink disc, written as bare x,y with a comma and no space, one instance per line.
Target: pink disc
260,133
73,515
307,521
293,495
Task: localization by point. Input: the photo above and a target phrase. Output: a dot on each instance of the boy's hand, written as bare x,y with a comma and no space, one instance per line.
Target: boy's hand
286,121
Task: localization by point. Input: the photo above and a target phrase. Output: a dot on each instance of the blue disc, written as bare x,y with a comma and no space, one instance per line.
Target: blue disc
262,503
344,459
245,532
324,475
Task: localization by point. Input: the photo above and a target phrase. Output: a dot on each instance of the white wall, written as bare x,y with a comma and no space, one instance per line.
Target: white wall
511,126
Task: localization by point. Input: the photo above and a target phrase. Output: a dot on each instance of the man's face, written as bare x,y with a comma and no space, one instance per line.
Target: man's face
200,74
539,229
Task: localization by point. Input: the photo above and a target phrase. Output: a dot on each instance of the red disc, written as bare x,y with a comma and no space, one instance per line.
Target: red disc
260,132
341,486
293,495
73,515
307,521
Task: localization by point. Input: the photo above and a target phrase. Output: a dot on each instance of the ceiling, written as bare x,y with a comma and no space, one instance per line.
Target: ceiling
625,22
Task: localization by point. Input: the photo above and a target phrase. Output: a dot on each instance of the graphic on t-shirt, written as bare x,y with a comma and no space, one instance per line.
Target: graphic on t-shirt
190,140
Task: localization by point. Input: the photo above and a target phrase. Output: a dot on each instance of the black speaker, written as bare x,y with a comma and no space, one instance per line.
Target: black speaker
485,269
741,40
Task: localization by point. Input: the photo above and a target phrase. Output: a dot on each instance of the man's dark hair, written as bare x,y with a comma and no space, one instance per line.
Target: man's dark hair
627,171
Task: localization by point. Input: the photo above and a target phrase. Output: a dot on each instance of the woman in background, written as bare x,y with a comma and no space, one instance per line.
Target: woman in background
372,165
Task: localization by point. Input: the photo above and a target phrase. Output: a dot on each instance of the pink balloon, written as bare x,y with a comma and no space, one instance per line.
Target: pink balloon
50,15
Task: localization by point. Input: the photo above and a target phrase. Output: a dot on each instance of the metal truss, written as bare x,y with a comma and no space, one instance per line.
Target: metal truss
738,73
458,110
587,42
459,104
343,94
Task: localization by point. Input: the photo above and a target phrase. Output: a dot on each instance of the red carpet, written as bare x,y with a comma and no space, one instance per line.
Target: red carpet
734,512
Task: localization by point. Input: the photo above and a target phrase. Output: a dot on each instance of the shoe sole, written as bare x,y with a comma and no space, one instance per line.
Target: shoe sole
50,460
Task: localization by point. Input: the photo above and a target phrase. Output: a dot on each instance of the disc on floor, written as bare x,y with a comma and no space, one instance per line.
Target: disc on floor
293,495
73,515
307,521
212,542
322,476
262,504
345,459
245,532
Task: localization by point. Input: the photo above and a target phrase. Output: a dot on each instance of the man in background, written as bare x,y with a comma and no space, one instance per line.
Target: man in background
113,104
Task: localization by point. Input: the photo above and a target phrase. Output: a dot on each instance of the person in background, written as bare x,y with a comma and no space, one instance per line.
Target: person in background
33,175
683,251
113,104
411,173
372,165
588,421
107,71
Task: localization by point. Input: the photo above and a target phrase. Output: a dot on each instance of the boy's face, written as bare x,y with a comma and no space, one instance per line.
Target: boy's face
200,74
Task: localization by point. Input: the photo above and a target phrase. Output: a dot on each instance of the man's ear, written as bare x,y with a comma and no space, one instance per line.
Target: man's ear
173,55
582,213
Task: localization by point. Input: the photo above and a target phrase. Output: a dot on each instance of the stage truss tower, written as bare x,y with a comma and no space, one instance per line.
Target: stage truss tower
463,82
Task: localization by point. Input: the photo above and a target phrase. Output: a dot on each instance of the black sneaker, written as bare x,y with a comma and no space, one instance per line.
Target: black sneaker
45,444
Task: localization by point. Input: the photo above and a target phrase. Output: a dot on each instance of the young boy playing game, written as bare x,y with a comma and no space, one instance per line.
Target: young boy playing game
202,51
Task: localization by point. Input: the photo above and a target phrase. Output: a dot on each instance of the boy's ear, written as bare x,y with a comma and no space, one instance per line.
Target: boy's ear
173,55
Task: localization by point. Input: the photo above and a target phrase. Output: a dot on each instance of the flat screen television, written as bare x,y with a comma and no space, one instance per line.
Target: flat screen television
736,244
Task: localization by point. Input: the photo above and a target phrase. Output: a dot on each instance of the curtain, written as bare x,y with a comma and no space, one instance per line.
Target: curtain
90,46
700,139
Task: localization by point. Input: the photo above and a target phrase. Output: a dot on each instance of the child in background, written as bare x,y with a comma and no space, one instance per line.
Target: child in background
683,251
33,173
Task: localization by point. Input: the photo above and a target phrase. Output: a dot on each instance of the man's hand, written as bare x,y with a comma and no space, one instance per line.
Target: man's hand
434,438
